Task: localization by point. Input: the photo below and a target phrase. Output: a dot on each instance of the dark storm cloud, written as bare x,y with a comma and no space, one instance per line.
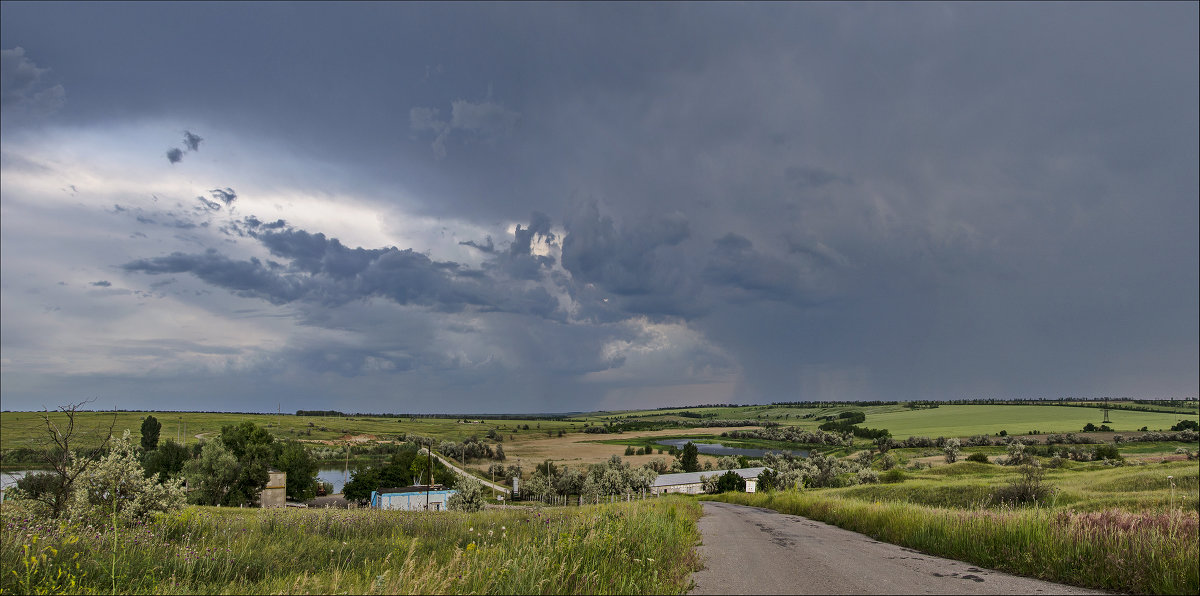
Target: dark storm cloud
850,200
638,263
25,88
322,270
734,264
191,140
484,121
174,155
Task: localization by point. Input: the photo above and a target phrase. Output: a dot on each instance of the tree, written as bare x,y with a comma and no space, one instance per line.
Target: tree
690,460
117,485
63,459
952,448
211,476
469,496
150,429
301,470
255,451
768,479
731,481
167,461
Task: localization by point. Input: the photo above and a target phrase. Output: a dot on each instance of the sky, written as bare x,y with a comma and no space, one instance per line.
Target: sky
511,208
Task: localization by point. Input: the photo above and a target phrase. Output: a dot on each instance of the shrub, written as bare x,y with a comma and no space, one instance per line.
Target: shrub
1107,452
887,461
1029,488
892,476
979,457
952,448
117,485
469,496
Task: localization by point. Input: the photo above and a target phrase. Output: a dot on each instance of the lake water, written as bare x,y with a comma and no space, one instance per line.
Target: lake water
719,449
10,477
338,477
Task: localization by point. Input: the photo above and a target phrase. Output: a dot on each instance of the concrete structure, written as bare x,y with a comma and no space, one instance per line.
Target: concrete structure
275,494
692,483
412,498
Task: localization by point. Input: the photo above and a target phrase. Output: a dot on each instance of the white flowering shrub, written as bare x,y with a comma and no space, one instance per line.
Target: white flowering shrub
469,496
952,449
118,484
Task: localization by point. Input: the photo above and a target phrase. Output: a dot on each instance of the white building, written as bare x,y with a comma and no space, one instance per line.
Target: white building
412,498
692,483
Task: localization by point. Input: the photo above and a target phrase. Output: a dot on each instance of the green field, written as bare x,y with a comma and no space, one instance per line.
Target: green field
25,429
959,421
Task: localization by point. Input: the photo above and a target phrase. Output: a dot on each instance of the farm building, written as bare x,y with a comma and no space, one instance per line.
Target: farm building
692,483
412,498
275,494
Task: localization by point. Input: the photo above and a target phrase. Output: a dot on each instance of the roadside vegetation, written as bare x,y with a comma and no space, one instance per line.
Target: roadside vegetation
1103,524
640,547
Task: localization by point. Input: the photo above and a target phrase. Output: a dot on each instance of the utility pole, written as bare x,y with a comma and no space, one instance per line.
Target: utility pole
429,486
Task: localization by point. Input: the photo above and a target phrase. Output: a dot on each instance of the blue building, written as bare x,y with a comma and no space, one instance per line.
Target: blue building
412,498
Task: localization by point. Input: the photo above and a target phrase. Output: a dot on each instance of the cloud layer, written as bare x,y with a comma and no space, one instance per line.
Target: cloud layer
567,207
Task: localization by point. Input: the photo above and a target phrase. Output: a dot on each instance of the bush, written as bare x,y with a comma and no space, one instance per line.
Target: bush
469,496
952,448
117,485
1027,489
979,457
892,476
1107,452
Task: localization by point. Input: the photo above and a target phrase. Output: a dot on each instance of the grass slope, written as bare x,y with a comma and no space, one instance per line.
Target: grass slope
641,547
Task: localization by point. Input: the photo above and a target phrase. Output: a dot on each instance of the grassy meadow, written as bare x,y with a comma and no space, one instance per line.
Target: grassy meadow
640,547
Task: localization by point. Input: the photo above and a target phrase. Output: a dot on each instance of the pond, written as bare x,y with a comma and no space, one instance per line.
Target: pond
10,477
719,449
338,477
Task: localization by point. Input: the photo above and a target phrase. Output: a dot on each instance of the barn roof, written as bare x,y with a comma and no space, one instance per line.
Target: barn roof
695,477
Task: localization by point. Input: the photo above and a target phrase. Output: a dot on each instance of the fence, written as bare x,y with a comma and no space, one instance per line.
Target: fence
579,500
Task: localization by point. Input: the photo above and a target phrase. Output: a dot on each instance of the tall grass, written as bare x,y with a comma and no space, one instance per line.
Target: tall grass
1141,553
640,547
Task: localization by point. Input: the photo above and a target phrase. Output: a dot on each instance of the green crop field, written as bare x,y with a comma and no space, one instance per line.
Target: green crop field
958,421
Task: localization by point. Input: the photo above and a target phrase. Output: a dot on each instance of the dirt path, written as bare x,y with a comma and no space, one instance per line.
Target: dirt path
750,550
461,472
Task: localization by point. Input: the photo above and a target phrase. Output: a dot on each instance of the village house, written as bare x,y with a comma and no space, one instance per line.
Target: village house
692,483
412,498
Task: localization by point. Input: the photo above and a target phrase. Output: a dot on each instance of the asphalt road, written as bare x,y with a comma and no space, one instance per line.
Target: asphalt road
750,550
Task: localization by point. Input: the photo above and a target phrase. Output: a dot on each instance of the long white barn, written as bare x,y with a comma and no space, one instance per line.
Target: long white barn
692,483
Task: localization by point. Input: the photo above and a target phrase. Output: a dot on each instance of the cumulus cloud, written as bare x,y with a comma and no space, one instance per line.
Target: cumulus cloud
25,88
